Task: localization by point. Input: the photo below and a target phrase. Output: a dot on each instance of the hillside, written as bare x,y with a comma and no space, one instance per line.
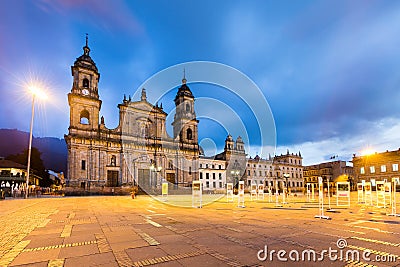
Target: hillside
54,150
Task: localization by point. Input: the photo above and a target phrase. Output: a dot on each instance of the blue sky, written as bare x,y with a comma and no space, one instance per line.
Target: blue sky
330,70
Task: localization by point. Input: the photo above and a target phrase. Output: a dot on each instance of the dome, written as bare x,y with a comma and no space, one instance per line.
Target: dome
85,61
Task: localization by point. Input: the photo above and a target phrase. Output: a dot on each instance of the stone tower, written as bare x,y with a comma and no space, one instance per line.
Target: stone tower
185,122
83,99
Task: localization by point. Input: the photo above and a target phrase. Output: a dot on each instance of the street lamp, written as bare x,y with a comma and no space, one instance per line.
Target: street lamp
36,92
287,175
155,169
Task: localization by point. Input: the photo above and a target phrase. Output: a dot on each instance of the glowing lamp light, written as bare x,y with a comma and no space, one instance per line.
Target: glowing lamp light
37,92
367,152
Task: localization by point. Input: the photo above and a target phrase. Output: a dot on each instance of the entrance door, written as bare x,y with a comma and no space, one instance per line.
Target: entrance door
112,178
171,178
144,178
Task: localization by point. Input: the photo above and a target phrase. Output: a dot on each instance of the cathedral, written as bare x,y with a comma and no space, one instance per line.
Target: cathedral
139,150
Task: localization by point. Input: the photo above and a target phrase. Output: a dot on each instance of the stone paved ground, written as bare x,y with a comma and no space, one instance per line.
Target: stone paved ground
120,231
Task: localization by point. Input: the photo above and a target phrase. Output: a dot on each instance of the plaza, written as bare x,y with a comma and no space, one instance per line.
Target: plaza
121,231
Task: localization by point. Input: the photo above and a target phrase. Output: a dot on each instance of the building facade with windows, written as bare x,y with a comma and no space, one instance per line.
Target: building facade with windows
332,172
378,166
138,150
284,170
212,173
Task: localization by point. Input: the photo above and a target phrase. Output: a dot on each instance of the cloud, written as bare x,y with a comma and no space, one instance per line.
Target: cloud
379,136
110,15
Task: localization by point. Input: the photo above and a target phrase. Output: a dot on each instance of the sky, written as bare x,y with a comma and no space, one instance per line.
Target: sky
328,70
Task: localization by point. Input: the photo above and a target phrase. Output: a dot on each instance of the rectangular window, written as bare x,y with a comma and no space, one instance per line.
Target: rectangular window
207,175
220,184
214,185
214,175
372,169
395,167
206,166
213,166
201,175
248,172
201,165
83,166
220,176
362,170
190,170
383,168
260,173
207,184
219,166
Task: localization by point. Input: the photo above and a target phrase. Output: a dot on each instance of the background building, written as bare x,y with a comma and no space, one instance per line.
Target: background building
378,166
212,173
273,170
332,172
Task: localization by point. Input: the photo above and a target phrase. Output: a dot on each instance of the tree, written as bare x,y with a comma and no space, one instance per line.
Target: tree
37,166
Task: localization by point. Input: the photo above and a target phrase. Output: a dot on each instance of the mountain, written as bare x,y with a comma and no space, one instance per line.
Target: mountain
54,150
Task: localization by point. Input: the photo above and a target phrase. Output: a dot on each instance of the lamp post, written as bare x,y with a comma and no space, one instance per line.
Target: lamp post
287,175
155,169
35,92
235,173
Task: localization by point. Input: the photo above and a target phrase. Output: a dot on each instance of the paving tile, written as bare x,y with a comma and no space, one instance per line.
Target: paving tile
102,259
142,253
67,252
201,261
35,256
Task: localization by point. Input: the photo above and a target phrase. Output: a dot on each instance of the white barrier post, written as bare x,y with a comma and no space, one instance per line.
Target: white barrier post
253,191
321,201
269,194
277,195
380,194
360,193
312,192
197,194
342,191
368,193
387,195
395,182
329,199
284,196
241,195
260,192
229,192
164,191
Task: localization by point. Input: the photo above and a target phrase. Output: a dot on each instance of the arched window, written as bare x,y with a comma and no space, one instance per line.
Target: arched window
170,165
85,83
189,134
84,118
187,107
113,160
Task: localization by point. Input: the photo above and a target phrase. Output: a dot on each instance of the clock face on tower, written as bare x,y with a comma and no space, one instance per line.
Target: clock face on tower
85,91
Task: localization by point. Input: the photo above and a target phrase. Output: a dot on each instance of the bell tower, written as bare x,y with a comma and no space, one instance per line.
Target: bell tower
185,122
84,99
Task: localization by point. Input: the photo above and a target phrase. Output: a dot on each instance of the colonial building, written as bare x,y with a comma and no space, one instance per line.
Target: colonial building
225,167
13,175
378,166
282,170
212,173
139,150
332,172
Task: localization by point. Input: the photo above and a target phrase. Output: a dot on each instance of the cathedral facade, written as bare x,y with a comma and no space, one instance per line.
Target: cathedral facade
138,150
